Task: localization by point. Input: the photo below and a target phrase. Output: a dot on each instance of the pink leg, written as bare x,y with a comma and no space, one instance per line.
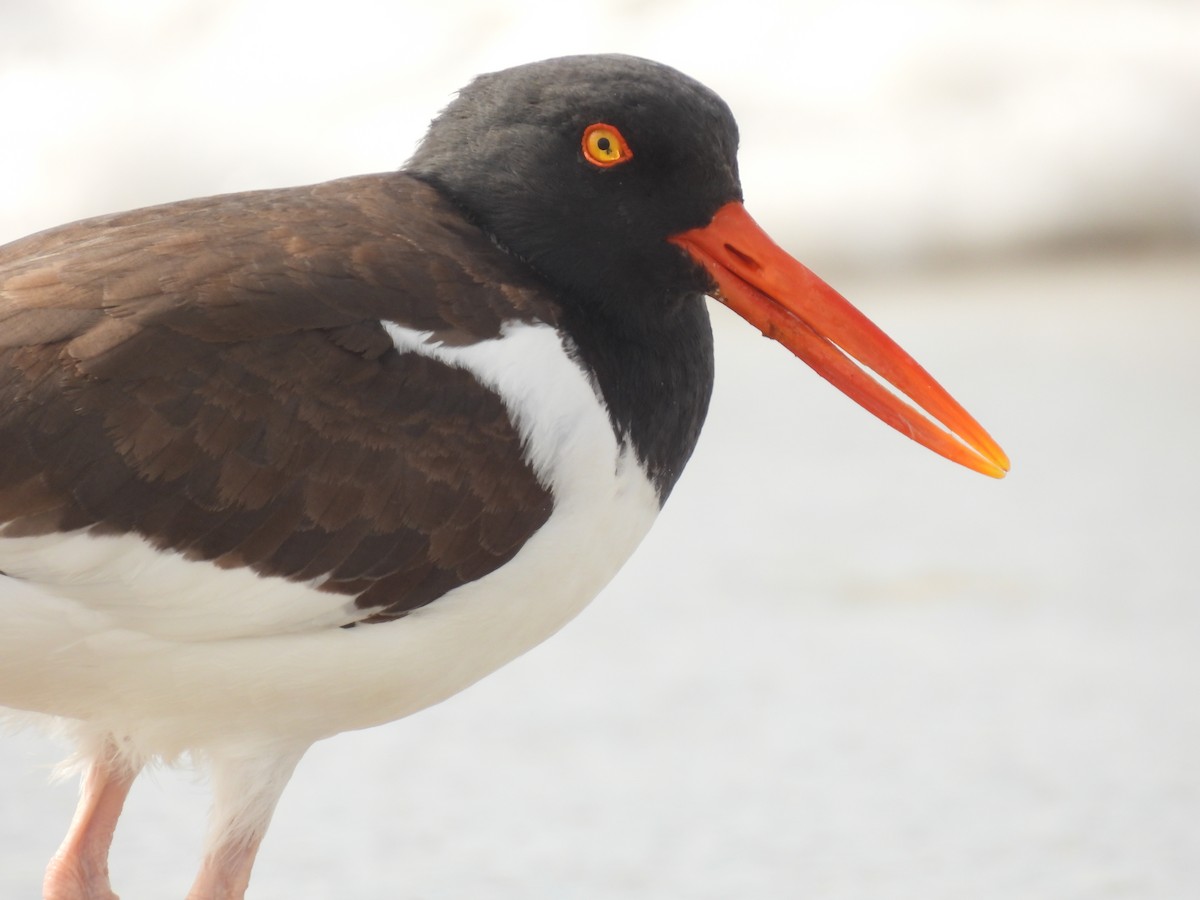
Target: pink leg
225,872
246,787
79,870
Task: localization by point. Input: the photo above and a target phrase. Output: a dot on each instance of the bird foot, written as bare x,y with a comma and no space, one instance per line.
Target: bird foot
67,879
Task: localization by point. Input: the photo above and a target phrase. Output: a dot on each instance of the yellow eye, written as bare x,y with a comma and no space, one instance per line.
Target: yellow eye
604,146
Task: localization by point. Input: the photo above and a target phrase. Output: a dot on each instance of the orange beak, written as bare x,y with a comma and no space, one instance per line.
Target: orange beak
788,303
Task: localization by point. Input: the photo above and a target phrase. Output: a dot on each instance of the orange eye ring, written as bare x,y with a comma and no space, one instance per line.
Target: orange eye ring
605,146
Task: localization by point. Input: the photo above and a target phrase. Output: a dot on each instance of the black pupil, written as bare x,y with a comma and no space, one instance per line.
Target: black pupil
604,144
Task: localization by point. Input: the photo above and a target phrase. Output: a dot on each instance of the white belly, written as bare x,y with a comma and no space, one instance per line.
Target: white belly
180,654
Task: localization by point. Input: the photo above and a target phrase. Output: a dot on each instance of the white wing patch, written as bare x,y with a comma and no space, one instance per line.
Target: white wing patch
555,407
126,583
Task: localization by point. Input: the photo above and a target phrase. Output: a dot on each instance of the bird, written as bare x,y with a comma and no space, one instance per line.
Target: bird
280,464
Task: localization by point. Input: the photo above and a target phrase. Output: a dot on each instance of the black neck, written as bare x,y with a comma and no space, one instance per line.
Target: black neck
653,362
650,353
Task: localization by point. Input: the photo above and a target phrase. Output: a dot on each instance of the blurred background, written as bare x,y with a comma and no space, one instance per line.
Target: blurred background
839,667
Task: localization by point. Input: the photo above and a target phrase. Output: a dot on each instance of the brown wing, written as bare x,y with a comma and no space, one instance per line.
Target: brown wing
213,375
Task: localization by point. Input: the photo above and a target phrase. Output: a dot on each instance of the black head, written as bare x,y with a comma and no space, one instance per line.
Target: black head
510,152
623,241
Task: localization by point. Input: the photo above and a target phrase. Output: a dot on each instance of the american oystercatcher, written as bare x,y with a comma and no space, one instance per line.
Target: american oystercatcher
281,464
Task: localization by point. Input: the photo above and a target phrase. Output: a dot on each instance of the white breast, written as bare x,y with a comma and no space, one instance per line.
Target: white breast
178,653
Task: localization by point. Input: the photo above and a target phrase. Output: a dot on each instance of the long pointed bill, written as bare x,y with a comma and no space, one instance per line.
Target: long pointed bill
787,302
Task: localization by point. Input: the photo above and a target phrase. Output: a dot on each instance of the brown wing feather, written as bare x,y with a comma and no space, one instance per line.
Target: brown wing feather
213,376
